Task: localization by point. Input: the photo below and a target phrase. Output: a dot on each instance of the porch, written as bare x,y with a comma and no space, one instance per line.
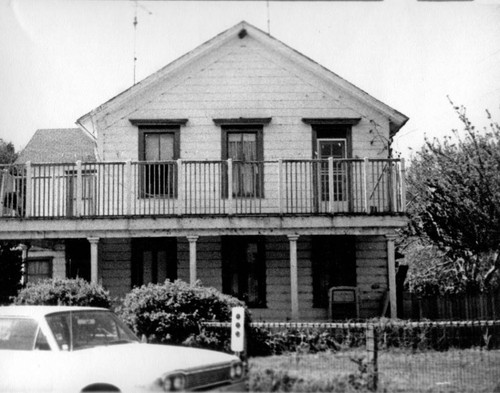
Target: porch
289,203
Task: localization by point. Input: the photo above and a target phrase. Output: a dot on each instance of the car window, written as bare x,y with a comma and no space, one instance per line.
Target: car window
41,342
83,329
59,325
17,333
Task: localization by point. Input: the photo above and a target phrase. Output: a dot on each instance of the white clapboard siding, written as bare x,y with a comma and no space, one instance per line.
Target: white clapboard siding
240,81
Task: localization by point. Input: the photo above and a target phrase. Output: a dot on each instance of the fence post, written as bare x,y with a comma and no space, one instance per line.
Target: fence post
372,355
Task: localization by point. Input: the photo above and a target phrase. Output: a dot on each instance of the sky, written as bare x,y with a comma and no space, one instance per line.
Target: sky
61,59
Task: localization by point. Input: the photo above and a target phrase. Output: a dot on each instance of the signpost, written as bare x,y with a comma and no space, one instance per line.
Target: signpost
238,329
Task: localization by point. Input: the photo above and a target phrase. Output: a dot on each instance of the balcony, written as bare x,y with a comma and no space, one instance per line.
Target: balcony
203,188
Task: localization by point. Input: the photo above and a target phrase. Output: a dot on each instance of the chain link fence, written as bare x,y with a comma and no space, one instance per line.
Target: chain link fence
382,355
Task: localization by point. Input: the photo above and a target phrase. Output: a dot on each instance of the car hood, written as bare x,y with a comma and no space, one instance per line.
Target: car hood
165,357
138,362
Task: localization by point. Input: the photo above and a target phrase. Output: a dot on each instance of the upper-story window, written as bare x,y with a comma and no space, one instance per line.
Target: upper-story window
244,148
335,148
242,142
331,138
159,148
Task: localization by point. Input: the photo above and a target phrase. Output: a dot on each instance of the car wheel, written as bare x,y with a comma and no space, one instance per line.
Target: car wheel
100,387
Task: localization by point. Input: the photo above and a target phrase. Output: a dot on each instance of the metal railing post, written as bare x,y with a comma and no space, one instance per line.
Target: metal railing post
330,185
365,185
181,194
79,189
29,188
128,188
280,186
402,188
230,208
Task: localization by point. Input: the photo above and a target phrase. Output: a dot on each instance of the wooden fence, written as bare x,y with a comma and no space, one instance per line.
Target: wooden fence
457,307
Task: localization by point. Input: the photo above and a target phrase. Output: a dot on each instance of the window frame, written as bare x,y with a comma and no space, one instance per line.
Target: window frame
27,261
172,129
258,130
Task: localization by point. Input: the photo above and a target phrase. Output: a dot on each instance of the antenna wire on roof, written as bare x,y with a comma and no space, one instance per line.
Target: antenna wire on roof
268,19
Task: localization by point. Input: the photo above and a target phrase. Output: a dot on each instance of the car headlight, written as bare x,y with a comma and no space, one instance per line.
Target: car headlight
236,371
174,382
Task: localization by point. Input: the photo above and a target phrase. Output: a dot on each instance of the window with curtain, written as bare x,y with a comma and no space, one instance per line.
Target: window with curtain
159,150
37,269
244,146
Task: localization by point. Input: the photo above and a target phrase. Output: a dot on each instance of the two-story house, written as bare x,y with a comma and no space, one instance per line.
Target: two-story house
243,164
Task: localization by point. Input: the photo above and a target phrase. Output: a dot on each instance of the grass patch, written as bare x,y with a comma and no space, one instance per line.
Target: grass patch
457,371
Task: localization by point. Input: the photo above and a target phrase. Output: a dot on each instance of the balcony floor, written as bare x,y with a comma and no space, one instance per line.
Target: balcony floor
137,226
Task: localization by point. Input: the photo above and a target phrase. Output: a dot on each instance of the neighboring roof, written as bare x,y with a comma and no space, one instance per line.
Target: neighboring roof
59,145
242,29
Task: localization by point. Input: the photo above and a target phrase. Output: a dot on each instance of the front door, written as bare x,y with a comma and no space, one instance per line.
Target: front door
244,269
154,260
335,148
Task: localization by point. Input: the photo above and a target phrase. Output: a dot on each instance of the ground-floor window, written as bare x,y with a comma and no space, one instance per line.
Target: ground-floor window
244,269
333,265
37,269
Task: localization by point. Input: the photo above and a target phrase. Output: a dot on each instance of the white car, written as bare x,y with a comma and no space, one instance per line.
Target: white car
87,349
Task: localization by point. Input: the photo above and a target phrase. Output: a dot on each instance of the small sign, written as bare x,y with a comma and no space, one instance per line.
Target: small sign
343,296
238,329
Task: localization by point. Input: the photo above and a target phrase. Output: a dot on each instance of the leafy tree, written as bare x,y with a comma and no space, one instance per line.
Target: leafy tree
10,271
454,188
7,152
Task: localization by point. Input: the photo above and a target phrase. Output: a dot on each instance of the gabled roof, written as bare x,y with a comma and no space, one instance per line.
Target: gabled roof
242,29
59,145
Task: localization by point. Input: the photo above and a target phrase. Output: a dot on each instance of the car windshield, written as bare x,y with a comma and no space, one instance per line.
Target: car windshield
89,328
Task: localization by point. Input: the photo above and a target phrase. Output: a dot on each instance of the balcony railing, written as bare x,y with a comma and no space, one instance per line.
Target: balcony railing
104,189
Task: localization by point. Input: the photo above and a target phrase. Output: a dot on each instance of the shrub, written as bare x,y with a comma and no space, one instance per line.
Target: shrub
70,292
173,312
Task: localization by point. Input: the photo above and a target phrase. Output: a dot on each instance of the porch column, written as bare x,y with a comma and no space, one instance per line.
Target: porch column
94,241
391,268
294,287
192,258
